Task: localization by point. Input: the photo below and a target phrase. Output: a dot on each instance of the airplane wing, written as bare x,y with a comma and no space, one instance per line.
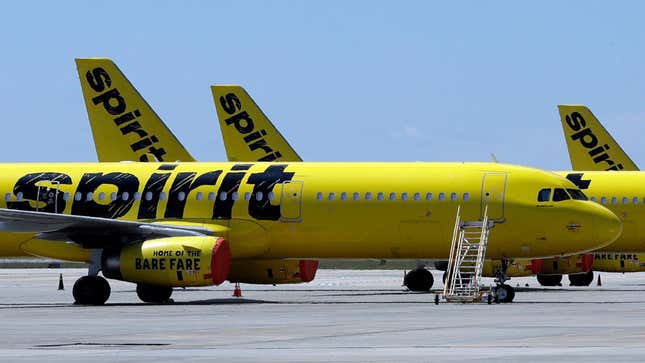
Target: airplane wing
91,232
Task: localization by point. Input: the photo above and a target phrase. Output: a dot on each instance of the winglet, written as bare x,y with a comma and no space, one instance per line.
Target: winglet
590,146
248,133
124,126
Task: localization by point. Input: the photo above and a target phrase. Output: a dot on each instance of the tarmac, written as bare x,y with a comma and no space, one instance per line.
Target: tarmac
342,316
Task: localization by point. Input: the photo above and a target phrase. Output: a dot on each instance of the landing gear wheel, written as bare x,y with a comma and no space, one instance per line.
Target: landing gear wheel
505,293
418,280
91,290
584,279
550,280
154,294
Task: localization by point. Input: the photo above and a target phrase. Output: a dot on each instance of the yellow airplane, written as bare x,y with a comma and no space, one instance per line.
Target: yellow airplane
594,152
167,224
595,157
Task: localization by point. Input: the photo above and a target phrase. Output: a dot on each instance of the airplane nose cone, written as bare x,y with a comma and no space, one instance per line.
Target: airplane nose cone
607,227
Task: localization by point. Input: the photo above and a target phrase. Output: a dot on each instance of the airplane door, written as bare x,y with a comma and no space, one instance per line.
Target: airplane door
291,201
493,192
49,195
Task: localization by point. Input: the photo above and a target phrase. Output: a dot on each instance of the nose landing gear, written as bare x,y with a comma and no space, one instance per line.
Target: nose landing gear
419,280
503,293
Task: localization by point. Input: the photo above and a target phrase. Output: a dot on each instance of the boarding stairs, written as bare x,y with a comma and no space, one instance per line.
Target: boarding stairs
466,262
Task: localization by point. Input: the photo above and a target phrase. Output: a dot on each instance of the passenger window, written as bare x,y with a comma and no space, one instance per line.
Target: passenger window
466,197
404,196
125,196
78,196
603,200
247,196
181,196
544,195
417,196
368,196
392,196
199,196
428,196
7,196
113,196
442,196
356,196
19,196
223,195
635,200
235,196
625,200
380,196
319,196
614,200
162,196
271,195
331,196
259,195
137,196
66,196
577,194
453,196
101,196
343,196
593,199
89,196
211,196
560,194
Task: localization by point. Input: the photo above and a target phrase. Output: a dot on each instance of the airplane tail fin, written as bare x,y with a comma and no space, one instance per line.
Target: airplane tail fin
590,146
124,126
248,133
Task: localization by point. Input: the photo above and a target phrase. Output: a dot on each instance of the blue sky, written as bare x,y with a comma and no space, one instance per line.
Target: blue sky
342,80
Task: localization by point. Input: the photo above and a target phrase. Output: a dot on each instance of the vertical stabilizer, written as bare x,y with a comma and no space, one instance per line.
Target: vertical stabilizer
124,126
248,133
590,146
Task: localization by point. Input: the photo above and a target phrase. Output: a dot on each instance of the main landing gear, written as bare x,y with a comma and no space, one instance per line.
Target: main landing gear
154,294
503,293
583,279
550,280
91,290
418,280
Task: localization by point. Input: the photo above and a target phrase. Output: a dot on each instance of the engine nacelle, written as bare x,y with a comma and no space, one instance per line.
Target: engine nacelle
273,271
173,261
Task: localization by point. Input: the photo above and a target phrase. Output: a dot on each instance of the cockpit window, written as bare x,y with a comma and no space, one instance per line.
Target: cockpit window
559,195
577,194
544,195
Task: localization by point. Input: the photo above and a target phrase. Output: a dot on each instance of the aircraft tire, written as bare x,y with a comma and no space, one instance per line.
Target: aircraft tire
549,280
505,293
583,279
418,280
154,294
91,290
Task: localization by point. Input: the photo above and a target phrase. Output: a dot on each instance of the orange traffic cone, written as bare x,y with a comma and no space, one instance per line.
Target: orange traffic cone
237,292
599,283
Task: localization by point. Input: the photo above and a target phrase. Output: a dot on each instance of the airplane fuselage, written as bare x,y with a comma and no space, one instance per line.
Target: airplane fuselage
319,210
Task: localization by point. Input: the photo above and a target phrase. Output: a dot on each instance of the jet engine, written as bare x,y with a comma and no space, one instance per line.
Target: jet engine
172,261
273,271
